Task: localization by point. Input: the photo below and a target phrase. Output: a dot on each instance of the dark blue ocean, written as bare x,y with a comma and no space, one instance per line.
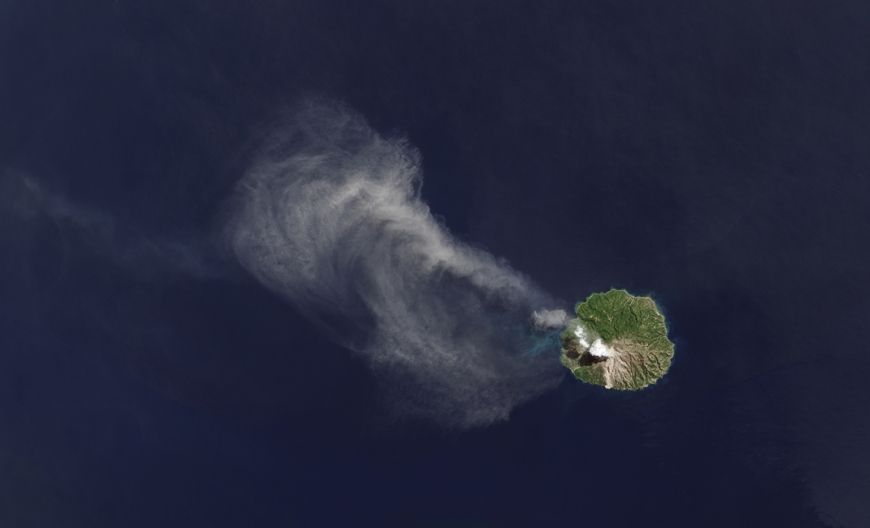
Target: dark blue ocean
711,154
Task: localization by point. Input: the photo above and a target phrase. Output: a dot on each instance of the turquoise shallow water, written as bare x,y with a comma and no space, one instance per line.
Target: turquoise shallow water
542,343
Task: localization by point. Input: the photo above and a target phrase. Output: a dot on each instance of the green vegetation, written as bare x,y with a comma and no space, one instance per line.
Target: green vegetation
618,341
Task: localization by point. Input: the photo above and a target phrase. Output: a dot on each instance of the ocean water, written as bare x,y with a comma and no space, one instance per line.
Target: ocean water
712,155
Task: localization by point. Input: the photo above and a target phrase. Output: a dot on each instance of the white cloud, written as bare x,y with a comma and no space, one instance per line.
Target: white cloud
599,349
549,319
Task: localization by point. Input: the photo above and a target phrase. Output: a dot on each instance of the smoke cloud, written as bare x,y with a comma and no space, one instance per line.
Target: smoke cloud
27,200
329,216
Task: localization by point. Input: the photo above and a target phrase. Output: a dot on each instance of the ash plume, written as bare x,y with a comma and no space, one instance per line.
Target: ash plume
329,216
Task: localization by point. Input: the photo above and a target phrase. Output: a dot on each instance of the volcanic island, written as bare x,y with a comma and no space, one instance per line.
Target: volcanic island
618,341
